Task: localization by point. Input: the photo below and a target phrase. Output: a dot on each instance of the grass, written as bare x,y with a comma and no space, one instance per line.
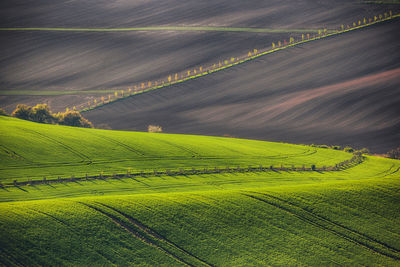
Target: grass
33,151
276,218
346,224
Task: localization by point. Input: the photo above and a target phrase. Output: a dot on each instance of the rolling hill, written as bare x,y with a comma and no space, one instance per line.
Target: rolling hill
200,194
345,217
33,151
337,90
66,69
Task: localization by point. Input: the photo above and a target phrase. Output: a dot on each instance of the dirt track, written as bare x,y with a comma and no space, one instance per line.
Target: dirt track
340,90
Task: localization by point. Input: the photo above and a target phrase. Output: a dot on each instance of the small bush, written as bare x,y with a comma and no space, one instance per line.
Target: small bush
41,113
23,112
3,112
154,129
336,147
323,146
394,153
73,118
364,151
348,149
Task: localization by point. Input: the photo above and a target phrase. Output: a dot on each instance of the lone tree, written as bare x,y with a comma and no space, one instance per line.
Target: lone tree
154,129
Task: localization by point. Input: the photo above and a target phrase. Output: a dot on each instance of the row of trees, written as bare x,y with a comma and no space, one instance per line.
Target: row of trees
193,72
41,113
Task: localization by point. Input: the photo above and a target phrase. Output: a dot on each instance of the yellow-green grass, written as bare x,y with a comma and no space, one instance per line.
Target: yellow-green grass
32,151
276,218
342,223
372,168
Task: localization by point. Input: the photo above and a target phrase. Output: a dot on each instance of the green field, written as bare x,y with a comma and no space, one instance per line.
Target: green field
265,218
32,152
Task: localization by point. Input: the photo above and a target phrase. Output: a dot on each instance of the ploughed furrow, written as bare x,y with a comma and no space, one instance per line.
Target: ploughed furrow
327,225
142,236
157,236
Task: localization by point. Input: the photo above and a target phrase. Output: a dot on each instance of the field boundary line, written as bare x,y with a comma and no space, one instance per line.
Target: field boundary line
354,161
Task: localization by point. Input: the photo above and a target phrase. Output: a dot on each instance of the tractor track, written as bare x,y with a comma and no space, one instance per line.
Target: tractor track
85,159
142,237
319,223
154,234
332,222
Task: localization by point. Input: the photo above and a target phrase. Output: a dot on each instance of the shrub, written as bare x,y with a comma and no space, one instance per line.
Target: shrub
3,112
336,147
41,113
154,129
364,151
23,112
323,146
348,149
73,118
394,153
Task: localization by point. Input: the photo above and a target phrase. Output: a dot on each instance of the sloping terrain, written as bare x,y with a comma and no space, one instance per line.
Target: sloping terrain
33,151
275,217
340,90
125,13
352,223
55,67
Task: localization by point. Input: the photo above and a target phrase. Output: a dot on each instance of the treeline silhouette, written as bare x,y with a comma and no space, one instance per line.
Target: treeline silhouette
41,113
